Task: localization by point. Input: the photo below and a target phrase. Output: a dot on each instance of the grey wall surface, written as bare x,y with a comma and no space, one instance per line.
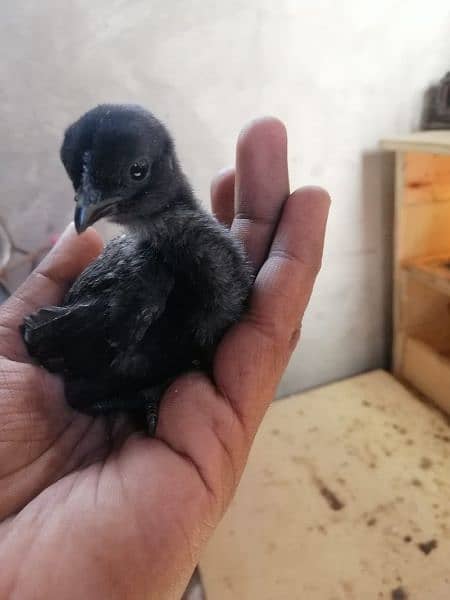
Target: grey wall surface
340,74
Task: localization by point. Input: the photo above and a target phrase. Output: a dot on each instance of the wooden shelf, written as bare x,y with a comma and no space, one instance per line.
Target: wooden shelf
436,142
432,271
421,315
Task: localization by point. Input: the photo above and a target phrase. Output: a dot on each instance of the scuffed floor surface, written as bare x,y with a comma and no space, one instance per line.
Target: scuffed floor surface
346,497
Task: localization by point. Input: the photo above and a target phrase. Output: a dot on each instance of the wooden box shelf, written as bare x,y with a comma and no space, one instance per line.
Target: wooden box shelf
421,353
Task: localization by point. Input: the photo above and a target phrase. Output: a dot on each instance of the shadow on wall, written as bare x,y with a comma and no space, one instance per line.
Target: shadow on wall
364,344
378,201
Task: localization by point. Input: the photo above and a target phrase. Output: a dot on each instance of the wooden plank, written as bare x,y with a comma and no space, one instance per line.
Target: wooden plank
432,271
424,309
426,177
398,283
425,230
424,327
342,486
437,142
428,370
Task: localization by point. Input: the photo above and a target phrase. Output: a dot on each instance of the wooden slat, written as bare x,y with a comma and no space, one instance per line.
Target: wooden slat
426,230
343,485
424,309
432,271
428,370
437,142
426,178
398,276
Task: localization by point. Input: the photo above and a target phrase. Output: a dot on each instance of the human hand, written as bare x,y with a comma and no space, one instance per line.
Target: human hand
82,516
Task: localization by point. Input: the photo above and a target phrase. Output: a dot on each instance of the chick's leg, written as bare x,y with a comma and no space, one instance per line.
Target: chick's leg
99,397
151,400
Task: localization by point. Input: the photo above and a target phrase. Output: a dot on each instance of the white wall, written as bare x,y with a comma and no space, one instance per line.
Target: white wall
340,74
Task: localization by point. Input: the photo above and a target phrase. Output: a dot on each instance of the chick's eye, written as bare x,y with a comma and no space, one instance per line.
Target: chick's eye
138,170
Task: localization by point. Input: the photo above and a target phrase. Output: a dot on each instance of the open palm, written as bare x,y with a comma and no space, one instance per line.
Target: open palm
93,513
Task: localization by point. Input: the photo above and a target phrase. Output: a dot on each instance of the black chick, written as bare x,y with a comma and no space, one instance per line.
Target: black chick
159,298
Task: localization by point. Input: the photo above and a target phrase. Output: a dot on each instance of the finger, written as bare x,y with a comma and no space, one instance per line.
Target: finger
51,279
222,196
262,185
253,355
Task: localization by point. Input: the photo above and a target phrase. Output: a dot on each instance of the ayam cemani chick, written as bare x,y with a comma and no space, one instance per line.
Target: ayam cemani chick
158,299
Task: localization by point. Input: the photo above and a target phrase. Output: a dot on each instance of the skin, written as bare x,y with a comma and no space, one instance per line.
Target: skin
89,514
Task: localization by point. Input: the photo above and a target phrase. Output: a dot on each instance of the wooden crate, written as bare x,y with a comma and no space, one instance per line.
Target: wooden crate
421,353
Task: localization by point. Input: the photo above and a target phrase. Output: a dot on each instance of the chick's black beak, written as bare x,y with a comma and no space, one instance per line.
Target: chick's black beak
90,209
82,218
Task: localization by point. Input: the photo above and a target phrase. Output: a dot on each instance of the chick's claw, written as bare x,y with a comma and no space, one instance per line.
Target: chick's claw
151,416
